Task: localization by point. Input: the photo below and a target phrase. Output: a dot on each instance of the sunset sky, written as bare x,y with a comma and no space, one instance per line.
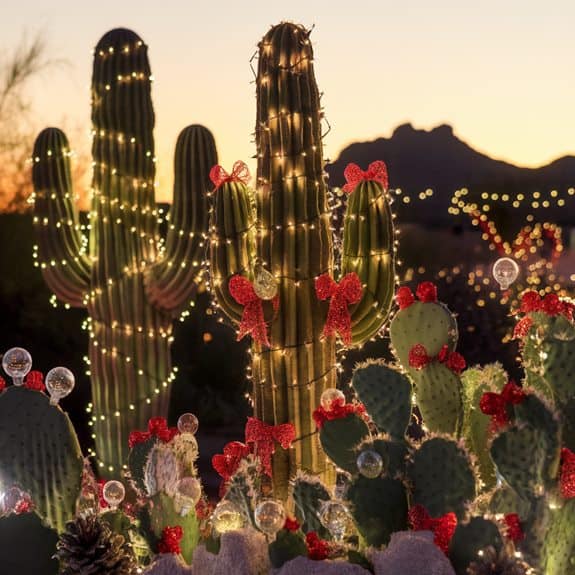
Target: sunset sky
500,71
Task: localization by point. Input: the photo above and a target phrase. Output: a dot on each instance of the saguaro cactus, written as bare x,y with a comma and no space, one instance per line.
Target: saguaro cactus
131,288
293,239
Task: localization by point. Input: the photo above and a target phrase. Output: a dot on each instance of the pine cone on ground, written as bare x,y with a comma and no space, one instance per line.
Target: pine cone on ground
492,563
90,547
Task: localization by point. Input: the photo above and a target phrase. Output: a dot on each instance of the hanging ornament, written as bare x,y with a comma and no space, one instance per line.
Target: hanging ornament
331,396
188,424
265,284
505,272
227,517
59,383
270,517
334,516
370,463
113,493
188,493
17,362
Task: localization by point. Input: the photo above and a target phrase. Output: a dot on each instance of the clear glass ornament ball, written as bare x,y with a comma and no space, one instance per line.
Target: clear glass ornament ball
370,463
17,362
334,516
188,423
505,272
269,516
227,517
11,498
114,493
265,284
59,383
189,491
329,396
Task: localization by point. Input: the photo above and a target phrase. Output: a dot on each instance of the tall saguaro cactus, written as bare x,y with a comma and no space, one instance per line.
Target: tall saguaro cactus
131,287
291,234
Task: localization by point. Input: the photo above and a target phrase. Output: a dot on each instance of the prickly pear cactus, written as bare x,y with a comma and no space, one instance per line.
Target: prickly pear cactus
309,494
559,547
40,453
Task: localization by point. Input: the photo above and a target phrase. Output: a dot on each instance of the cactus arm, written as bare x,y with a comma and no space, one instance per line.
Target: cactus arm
368,250
232,243
65,265
173,280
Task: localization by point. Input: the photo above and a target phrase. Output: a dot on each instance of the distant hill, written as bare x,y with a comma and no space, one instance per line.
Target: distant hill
438,159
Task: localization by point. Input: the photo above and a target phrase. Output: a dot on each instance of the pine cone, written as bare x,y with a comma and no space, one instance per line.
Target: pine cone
492,563
90,547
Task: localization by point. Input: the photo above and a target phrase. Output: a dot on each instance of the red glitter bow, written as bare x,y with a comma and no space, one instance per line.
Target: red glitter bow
35,380
567,474
337,410
442,527
227,464
170,542
240,173
354,175
157,427
317,548
264,438
513,529
418,358
426,292
2,384
347,292
291,524
253,321
551,305
495,404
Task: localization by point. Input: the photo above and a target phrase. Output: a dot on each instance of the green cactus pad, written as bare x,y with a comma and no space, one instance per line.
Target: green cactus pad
386,394
439,399
430,324
137,461
339,439
558,365
27,546
308,494
393,453
378,507
519,454
469,539
287,546
243,488
39,452
506,500
442,476
559,547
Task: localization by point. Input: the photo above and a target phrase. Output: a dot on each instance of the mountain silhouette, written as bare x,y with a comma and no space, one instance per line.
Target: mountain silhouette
437,159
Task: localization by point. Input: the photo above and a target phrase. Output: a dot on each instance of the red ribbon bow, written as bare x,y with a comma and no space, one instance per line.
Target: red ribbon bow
227,464
442,527
551,305
513,529
170,542
317,548
418,358
337,410
354,175
35,380
240,173
2,384
495,404
567,474
264,438
341,295
157,427
253,321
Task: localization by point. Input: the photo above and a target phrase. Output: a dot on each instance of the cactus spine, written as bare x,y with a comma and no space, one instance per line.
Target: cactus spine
130,287
294,240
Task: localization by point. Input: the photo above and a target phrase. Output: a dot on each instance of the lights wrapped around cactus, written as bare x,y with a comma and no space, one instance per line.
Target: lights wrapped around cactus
130,286
286,229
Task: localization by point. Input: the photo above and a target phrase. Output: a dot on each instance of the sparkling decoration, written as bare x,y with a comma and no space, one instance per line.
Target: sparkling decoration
188,423
567,473
338,410
513,528
188,493
404,297
370,463
418,358
495,404
35,381
227,517
113,493
59,383
354,175
330,396
227,464
426,292
265,436
334,516
317,548
253,321
269,516
11,500
505,272
17,362
347,292
240,173
170,542
443,527
265,284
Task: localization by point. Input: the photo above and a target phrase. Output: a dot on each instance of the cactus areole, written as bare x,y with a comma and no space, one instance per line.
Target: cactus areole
130,287
287,229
